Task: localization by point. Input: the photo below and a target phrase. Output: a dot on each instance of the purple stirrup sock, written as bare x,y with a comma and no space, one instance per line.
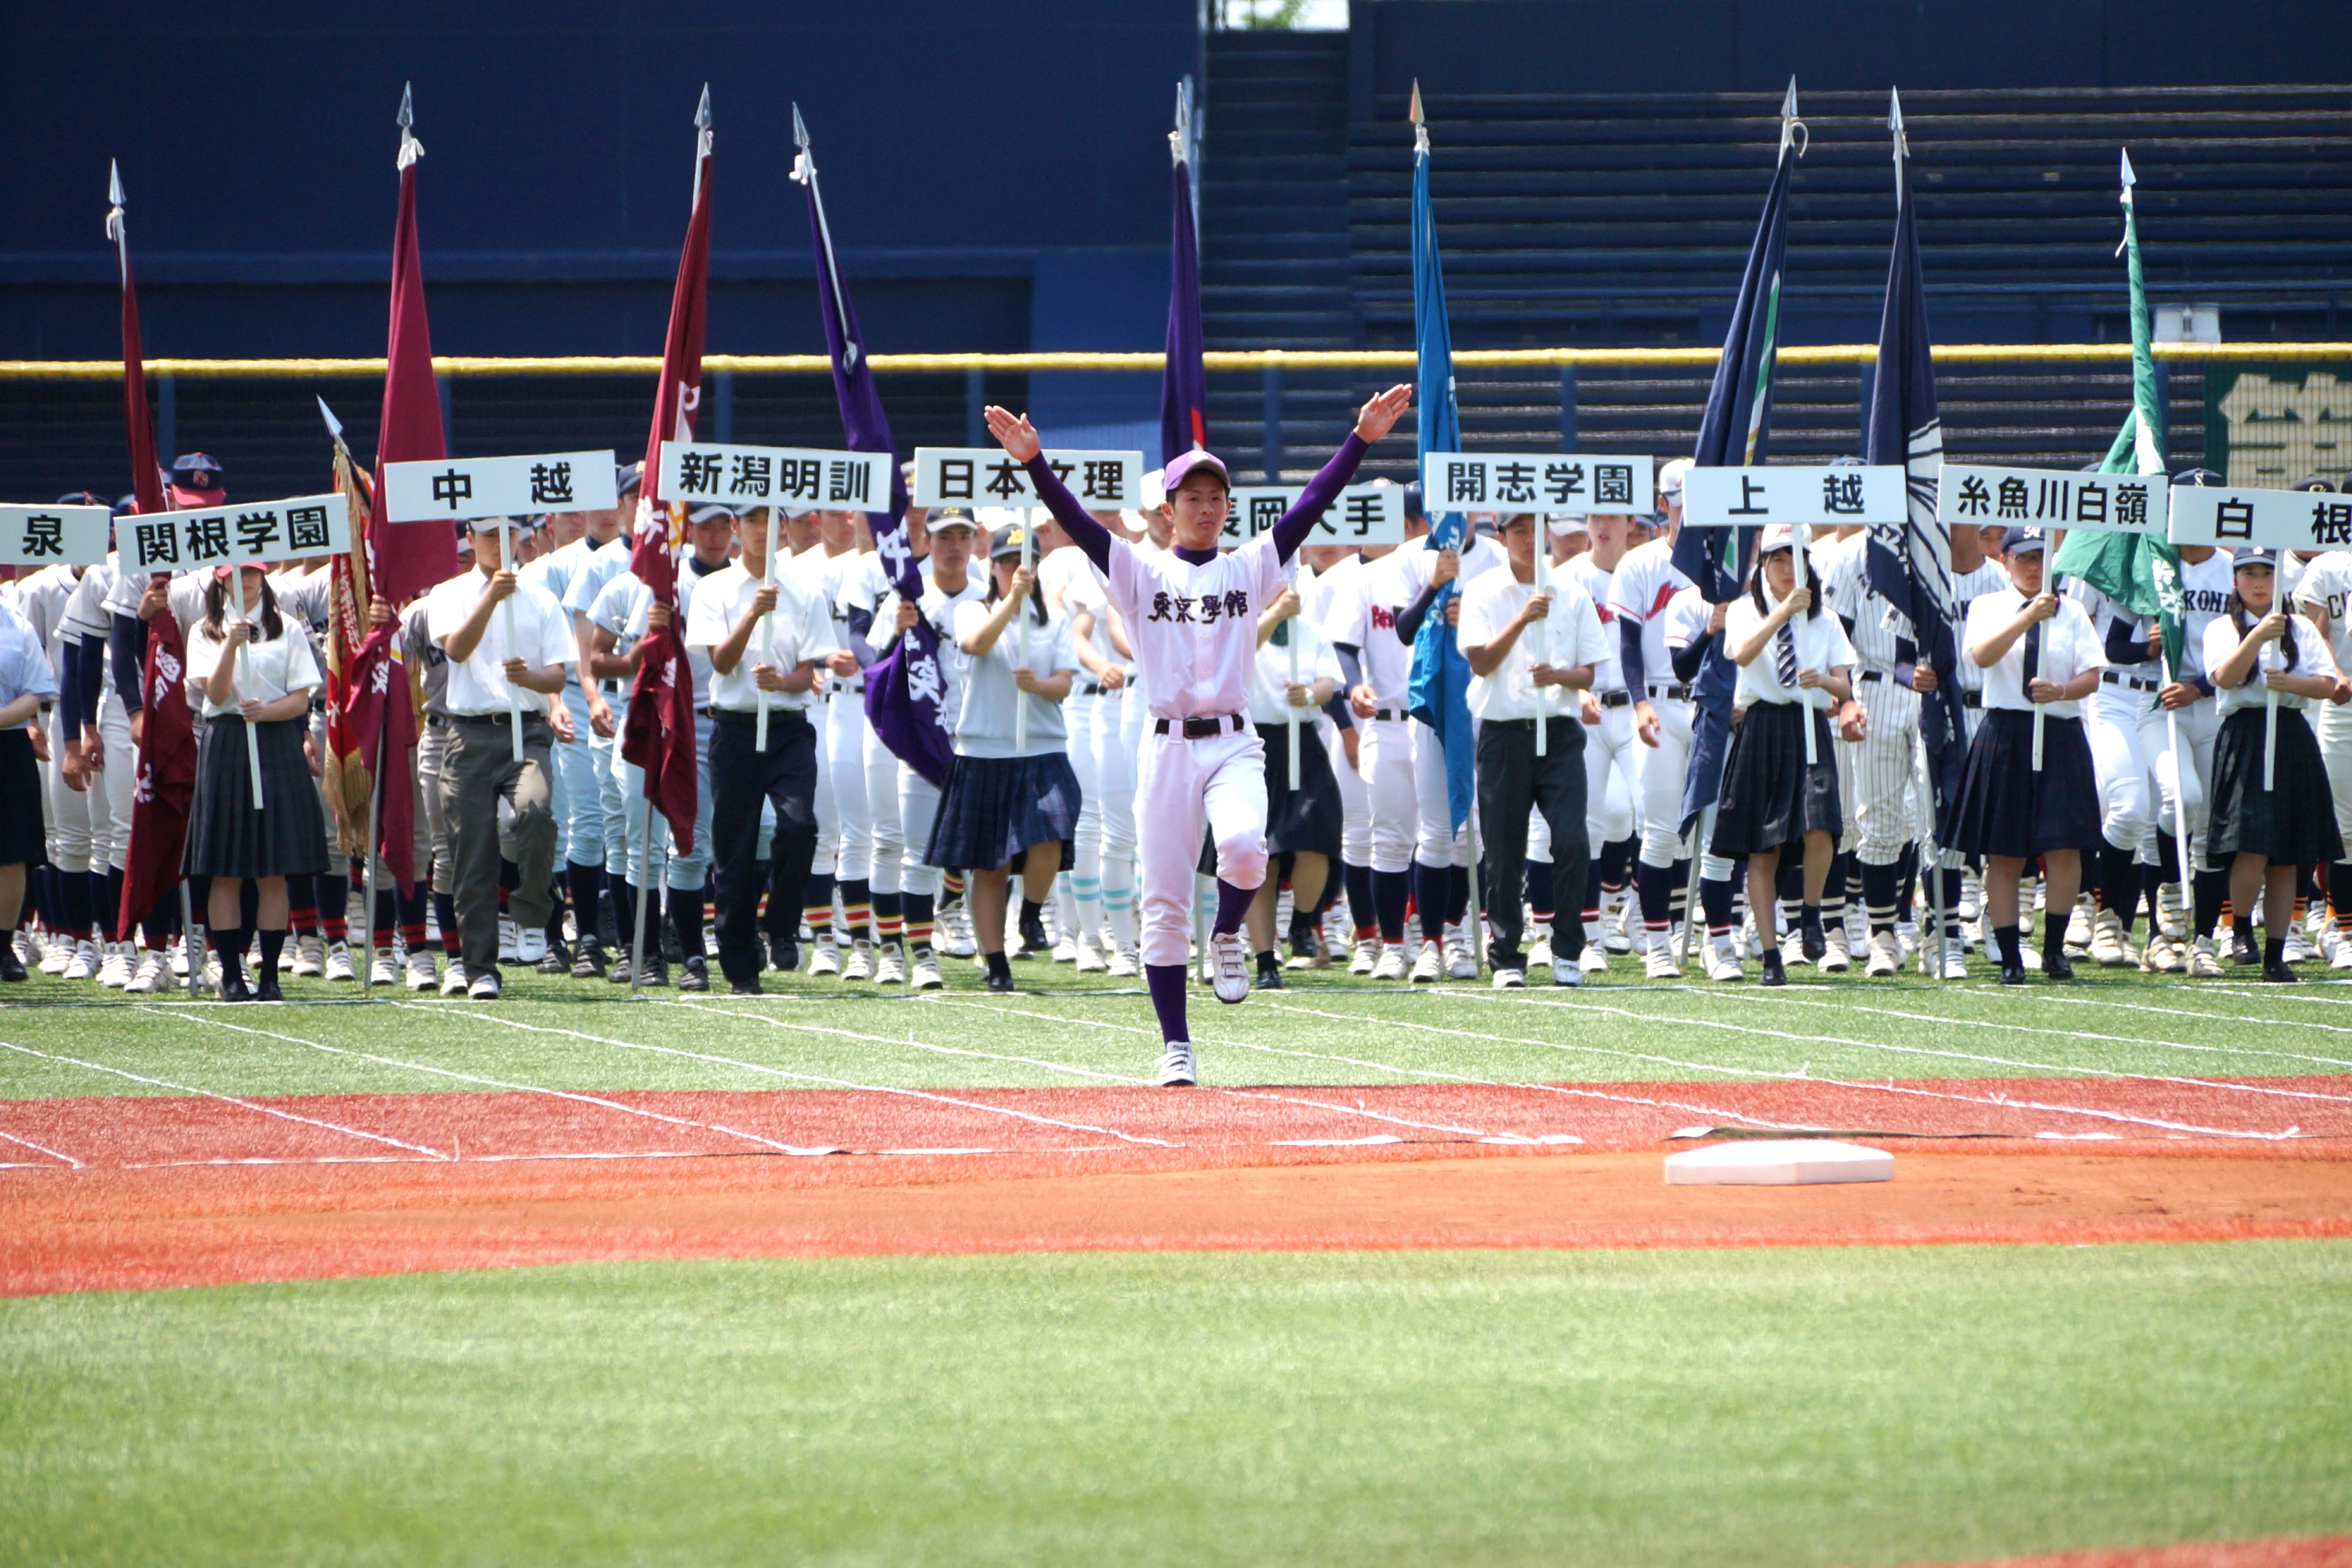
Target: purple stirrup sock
1167,983
1232,905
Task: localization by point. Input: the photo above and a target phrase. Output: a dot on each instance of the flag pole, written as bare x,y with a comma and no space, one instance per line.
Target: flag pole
645,875
1543,637
1797,538
191,944
1021,645
367,916
506,619
2270,725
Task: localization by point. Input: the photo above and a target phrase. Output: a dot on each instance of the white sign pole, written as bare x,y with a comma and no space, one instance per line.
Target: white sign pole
1290,709
506,618
767,631
1543,637
237,688
1798,534
1021,645
2270,730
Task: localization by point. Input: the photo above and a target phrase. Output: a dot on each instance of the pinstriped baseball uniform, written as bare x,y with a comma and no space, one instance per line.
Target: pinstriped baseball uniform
1878,775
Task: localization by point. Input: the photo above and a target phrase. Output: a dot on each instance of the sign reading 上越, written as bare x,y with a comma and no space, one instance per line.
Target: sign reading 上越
1817,497
774,475
2305,521
294,530
987,475
53,535
1535,481
1364,515
449,487
1972,497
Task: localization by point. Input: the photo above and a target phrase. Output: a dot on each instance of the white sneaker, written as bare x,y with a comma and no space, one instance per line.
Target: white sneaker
531,946
1509,979
1617,921
508,935
154,974
2160,956
1365,958
1064,950
861,961
339,961
1428,968
889,965
1122,965
420,971
1391,964
56,953
1539,951
1956,965
384,970
1593,960
310,955
954,933
2203,962
825,957
483,988
1722,961
1885,956
85,963
1230,953
1564,973
2298,946
1176,1068
114,969
1662,964
925,973
1836,958
1460,958
2078,927
1090,959
453,979
179,957
2107,940
2343,959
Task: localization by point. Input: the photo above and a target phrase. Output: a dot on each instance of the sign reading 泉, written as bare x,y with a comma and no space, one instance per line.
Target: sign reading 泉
1974,497
500,487
293,530
1818,496
1535,481
986,476
778,475
1364,515
52,535
2305,521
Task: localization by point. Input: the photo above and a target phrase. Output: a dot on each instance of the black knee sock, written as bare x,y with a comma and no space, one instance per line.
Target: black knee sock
1907,895
1678,891
1617,864
1362,911
1457,894
1390,890
1952,891
916,909
1833,889
817,904
587,884
1543,890
230,944
2212,890
273,943
1881,886
1715,904
114,902
685,919
889,917
1034,909
1430,888
624,914
445,910
2120,890
2005,938
1657,885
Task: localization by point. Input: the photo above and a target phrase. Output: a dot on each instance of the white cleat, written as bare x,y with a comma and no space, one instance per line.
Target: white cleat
453,981
1539,951
889,969
179,957
1885,956
1593,960
85,963
1723,962
2107,950
1429,967
531,946
310,956
1064,950
420,972
384,970
1391,965
508,935
1090,960
154,973
339,961
2343,959
2203,962
2298,946
861,961
56,953
114,971
924,974
1176,1068
1509,980
1565,973
824,958
2162,955
1230,953
1122,965
1662,964
1460,958
1836,957
1366,957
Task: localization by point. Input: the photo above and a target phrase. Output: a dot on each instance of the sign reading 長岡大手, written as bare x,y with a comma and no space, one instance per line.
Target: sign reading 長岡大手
1364,515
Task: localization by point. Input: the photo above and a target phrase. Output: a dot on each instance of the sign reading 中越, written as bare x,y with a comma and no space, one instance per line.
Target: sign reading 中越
1973,496
53,535
1816,496
2305,521
1535,481
449,487
293,530
1364,515
987,475
774,475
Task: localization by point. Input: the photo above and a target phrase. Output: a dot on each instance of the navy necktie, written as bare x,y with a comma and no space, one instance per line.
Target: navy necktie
1784,655
2034,653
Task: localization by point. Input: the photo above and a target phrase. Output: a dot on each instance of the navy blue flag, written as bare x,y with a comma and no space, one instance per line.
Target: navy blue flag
1734,432
1183,383
1910,563
1437,692
903,687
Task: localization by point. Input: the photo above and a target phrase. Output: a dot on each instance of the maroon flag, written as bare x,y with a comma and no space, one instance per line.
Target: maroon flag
371,719
659,737
406,558
167,736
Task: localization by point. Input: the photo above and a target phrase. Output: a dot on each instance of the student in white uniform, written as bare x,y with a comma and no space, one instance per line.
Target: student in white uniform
25,681
1363,625
2038,650
1304,817
1106,658
1612,763
2324,596
1336,571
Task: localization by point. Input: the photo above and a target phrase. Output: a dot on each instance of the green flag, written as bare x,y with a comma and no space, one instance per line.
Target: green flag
2141,573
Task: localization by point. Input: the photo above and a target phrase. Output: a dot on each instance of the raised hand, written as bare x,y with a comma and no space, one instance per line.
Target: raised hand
1378,416
1015,434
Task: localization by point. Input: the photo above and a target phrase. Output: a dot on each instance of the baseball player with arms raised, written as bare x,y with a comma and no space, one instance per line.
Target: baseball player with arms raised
1192,618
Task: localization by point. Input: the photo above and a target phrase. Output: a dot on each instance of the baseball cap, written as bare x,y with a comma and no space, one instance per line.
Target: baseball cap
941,517
2018,539
196,480
2311,482
627,477
2240,559
1189,462
1004,541
710,511
1670,478
1564,524
1777,536
1412,507
2202,477
80,498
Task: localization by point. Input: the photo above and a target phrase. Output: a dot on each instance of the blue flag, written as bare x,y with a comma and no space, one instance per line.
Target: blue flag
1734,432
1441,676
903,687
1910,563
1183,383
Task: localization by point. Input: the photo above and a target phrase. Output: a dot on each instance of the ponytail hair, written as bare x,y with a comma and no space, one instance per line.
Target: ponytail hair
2238,614
266,609
1756,585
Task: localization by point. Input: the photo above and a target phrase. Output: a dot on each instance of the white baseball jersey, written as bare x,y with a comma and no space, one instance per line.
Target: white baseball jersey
1364,613
2327,586
1609,669
2205,589
1873,624
1194,625
1644,585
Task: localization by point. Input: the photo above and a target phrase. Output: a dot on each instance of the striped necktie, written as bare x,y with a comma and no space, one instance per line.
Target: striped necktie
1784,655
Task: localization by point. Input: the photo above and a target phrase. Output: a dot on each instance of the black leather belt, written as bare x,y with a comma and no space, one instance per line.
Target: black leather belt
1203,729
857,688
1616,698
1091,688
1971,699
1677,692
2109,677
751,715
1873,675
1389,715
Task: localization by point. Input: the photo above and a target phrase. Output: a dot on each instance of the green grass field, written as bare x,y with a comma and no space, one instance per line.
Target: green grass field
1839,1408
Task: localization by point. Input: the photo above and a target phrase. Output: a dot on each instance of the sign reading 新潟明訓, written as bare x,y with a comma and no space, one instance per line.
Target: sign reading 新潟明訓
774,476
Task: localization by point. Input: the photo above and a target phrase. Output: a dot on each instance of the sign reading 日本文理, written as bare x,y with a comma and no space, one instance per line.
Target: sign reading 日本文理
1364,515
1973,496
1570,483
1818,497
774,475
987,475
447,487
53,535
294,530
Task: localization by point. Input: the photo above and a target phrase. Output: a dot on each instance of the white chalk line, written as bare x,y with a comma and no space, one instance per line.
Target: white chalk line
817,1077
2208,1017
71,1163
575,1097
915,1044
232,1099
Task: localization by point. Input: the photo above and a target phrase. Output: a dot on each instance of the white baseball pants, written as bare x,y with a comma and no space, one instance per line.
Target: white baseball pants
1220,778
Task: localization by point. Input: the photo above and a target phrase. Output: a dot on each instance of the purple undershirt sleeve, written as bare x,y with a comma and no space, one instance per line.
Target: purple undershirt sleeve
1085,533
1316,498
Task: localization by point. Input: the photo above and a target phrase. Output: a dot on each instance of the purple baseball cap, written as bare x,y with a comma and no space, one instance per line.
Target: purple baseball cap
1185,463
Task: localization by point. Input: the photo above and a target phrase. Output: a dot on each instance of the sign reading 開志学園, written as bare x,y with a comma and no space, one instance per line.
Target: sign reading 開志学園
1572,484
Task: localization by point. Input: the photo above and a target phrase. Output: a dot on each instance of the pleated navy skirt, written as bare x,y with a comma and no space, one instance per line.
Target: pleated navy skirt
1769,797
2293,823
2006,808
993,808
1305,820
227,837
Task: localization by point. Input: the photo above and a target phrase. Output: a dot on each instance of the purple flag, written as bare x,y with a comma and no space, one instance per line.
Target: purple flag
1183,384
903,687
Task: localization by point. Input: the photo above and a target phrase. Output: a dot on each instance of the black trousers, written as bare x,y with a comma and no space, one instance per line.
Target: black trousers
742,777
1512,781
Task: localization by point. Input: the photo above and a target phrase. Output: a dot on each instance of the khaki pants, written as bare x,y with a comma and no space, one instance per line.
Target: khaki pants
477,770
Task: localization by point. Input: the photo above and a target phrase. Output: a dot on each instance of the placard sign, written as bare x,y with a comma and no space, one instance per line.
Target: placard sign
1818,496
1364,515
294,530
1535,481
1972,497
987,475
2305,521
778,475
449,487
53,535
